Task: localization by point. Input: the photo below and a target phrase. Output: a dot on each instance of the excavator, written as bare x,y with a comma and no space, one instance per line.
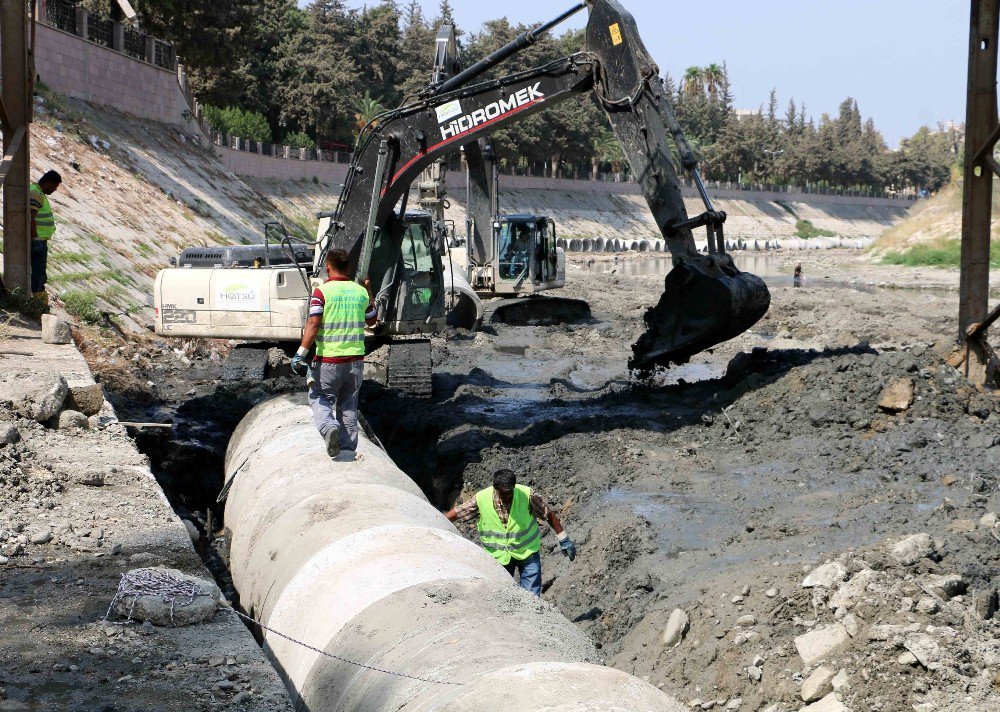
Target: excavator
507,255
706,299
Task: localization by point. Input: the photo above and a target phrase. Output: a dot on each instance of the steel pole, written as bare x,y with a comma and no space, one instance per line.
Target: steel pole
17,101
977,197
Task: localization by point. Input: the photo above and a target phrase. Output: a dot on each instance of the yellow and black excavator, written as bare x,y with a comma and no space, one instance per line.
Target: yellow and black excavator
706,299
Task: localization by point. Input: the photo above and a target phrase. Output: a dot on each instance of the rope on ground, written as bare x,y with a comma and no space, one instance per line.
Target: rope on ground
178,592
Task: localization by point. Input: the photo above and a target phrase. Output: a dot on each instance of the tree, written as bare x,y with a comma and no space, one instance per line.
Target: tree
713,77
367,109
694,81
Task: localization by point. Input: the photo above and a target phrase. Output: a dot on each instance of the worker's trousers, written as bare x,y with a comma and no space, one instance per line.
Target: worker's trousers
333,397
39,264
530,570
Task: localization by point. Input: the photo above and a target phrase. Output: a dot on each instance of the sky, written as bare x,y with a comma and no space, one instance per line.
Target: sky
904,61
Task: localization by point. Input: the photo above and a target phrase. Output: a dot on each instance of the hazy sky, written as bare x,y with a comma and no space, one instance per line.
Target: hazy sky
903,60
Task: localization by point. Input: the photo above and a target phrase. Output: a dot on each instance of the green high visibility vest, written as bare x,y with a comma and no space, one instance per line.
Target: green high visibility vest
342,332
45,221
519,538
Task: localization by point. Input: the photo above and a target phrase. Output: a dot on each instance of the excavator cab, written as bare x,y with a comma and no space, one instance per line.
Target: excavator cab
419,294
526,253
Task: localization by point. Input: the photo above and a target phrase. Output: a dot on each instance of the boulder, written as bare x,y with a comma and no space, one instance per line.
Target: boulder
87,399
73,419
924,648
854,590
840,681
677,626
945,585
962,526
180,610
897,396
830,703
44,397
988,520
827,575
985,604
9,434
819,644
55,330
817,685
912,549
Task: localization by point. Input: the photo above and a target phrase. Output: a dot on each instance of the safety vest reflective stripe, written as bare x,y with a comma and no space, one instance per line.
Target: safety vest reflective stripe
342,329
518,537
45,221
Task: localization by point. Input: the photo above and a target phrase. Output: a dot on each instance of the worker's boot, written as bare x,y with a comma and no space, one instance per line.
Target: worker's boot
332,439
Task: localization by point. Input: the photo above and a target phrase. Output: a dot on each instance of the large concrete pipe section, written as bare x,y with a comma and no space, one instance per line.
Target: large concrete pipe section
575,245
350,558
643,246
598,244
587,244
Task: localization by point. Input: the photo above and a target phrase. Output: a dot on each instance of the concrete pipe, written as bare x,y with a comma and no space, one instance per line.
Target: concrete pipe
561,242
575,245
632,245
349,557
599,244
643,245
609,245
586,245
658,245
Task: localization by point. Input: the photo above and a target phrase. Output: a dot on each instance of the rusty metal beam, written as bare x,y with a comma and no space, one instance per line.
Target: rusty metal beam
16,97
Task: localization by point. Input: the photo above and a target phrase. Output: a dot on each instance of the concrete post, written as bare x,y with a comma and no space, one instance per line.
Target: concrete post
302,154
150,49
82,16
118,37
182,81
286,152
17,100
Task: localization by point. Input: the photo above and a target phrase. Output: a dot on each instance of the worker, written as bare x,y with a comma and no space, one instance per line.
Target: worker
43,227
507,515
338,312
797,277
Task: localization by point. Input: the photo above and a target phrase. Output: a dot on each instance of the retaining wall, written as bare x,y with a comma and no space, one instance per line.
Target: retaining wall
78,68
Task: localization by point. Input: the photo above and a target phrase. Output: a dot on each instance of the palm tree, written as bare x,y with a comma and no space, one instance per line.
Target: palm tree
607,148
693,82
367,109
714,77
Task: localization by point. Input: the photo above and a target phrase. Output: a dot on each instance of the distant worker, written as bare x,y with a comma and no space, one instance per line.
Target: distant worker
338,312
797,277
43,227
508,515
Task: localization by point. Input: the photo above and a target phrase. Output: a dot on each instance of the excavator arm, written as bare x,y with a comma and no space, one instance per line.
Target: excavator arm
707,300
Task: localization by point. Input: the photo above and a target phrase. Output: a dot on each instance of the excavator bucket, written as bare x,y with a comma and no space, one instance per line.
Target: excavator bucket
696,312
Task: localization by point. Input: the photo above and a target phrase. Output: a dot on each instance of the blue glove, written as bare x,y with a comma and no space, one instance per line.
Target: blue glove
568,548
299,364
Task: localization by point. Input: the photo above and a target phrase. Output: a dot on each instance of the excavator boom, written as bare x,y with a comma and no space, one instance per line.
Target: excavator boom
706,300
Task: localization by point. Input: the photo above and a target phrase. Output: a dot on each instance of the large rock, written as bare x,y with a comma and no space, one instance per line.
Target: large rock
946,585
827,575
55,330
924,648
9,434
830,703
73,419
854,590
821,643
180,611
818,684
44,397
912,549
677,626
897,396
87,399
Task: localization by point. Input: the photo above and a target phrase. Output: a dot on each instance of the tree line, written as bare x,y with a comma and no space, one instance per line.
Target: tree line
314,75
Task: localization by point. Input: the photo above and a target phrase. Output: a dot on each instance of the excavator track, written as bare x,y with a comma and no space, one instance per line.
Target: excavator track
536,310
246,362
410,368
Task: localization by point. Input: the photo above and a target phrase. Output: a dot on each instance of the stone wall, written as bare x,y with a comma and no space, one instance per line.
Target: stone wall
81,69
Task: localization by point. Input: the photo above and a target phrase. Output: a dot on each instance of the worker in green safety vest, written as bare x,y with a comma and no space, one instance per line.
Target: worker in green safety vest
507,517
43,227
338,312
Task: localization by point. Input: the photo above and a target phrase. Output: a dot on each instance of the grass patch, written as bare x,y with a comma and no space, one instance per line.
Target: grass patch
82,303
939,253
805,230
71,258
788,208
144,249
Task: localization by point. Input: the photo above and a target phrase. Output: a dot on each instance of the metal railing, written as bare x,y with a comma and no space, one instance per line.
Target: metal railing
61,14
133,43
163,54
100,31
